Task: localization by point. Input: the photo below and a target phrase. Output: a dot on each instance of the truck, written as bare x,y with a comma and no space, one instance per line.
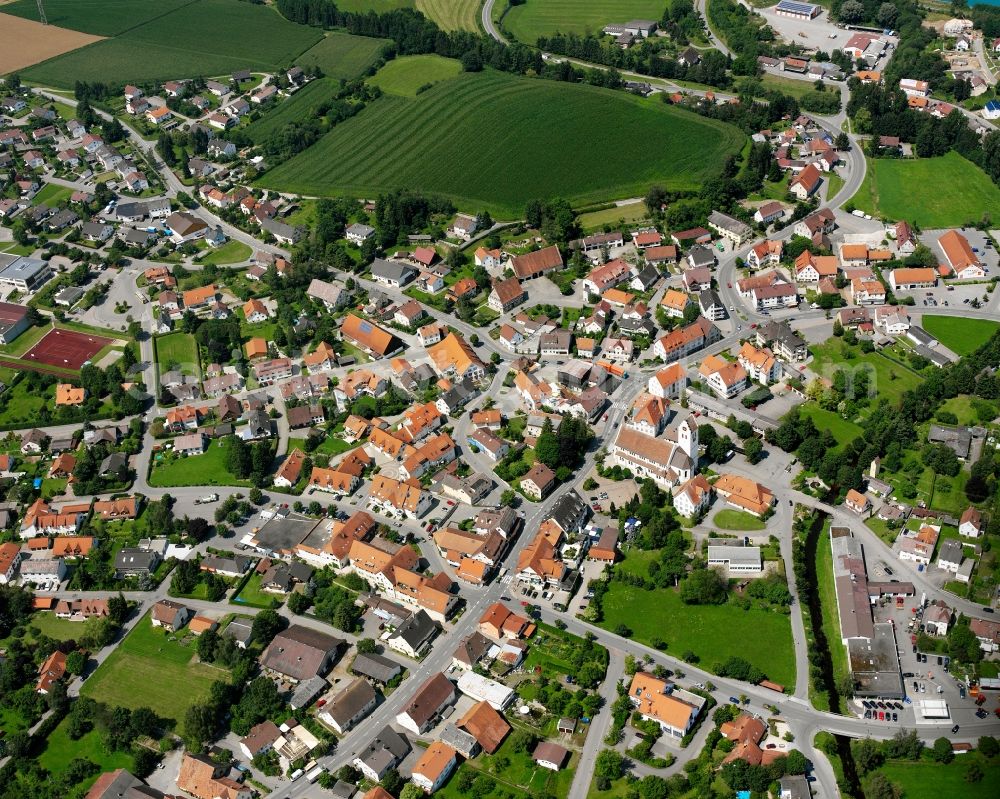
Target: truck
313,775
207,499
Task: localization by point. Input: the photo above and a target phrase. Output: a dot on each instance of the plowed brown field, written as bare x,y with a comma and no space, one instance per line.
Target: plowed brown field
23,42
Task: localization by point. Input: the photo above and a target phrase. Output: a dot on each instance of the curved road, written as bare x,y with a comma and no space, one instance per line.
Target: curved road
488,26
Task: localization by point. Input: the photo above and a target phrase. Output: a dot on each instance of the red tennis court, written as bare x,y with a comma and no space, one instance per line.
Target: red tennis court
66,348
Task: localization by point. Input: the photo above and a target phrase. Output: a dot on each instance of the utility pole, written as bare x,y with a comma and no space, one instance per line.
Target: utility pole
41,13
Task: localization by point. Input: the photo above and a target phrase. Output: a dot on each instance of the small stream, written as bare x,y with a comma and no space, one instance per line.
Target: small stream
811,595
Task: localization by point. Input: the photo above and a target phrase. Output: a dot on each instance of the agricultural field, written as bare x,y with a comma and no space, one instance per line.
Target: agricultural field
206,38
961,335
407,75
124,678
106,18
24,42
547,146
530,20
341,55
912,190
452,15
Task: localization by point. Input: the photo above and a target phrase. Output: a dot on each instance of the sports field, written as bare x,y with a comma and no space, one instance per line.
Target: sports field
452,15
404,76
961,335
915,190
24,42
530,20
100,17
202,38
341,55
66,349
511,139
150,669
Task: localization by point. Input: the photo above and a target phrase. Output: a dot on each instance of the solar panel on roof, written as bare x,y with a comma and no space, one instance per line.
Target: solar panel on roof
366,327
791,5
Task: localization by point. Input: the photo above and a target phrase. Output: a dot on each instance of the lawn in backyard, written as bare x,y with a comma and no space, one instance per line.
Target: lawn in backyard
732,519
60,749
705,630
200,38
341,55
842,429
550,649
332,445
528,21
52,195
547,146
961,335
964,411
51,625
911,189
517,775
618,214
889,381
252,596
19,405
207,469
232,252
155,669
407,74
177,351
928,780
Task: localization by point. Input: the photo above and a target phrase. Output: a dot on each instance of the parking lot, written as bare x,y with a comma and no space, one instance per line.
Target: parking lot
925,675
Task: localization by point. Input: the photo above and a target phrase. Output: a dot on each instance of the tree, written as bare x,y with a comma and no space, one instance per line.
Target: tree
609,765
411,790
547,446
367,646
266,625
851,11
988,747
974,772
199,726
753,450
842,142
208,641
704,587
942,751
393,782
655,198
76,661
886,15
867,755
880,787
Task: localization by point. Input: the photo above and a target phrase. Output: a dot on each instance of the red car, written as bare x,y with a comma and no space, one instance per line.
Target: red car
881,716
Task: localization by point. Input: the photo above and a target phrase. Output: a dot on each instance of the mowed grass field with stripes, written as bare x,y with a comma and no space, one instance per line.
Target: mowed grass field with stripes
535,18
495,141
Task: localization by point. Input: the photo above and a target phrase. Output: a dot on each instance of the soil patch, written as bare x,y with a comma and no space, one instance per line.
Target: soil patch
24,42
